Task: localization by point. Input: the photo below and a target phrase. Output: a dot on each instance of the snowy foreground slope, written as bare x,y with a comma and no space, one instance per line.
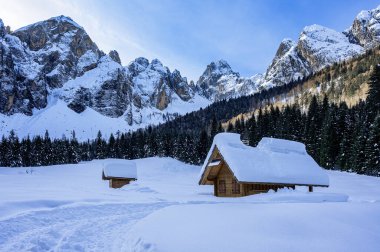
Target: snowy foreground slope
69,208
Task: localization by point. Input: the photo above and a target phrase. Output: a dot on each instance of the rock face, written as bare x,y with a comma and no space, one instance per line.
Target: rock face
365,29
56,58
39,57
106,89
316,48
287,65
321,46
220,82
114,55
21,87
2,28
61,47
154,84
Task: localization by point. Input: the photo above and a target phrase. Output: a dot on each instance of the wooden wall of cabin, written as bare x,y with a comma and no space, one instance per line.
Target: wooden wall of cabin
117,183
250,189
230,188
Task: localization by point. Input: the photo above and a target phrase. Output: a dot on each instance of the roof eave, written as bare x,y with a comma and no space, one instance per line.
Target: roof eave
110,177
276,183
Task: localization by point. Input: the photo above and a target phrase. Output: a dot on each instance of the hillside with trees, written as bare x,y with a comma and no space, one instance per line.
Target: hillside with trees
338,136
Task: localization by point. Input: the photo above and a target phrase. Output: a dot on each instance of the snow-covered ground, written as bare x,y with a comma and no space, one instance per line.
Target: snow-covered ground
70,208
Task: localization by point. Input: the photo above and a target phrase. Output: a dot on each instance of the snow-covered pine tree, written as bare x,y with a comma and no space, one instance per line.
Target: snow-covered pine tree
47,150
373,97
312,128
372,150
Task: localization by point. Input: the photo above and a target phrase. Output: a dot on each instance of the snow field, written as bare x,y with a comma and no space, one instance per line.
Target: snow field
70,208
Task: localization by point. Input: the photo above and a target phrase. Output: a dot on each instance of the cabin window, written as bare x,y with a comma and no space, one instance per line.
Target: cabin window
235,187
222,186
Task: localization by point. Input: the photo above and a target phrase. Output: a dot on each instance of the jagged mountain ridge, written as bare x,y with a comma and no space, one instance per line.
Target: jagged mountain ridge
57,57
219,82
316,48
55,63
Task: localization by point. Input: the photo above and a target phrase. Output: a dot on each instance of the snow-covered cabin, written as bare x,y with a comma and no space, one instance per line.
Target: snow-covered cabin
236,169
119,172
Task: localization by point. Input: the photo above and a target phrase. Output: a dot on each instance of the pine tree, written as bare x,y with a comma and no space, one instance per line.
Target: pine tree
326,148
26,150
202,146
167,145
111,147
372,151
190,151
100,147
252,131
239,126
37,151
312,130
4,161
47,150
358,159
214,127
73,149
373,95
14,152
230,127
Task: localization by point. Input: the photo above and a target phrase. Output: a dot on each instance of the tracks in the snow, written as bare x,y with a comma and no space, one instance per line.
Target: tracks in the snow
84,228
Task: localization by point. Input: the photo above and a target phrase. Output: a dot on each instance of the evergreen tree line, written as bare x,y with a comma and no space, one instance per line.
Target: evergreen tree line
336,136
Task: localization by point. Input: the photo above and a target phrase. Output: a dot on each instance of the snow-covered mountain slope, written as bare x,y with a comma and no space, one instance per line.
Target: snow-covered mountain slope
70,208
322,46
365,29
219,82
40,57
55,63
287,65
317,47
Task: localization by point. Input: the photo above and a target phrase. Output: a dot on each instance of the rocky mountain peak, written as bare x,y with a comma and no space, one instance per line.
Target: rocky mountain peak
219,82
155,85
2,28
322,46
286,66
365,29
62,48
56,29
157,65
137,66
114,55
218,68
285,45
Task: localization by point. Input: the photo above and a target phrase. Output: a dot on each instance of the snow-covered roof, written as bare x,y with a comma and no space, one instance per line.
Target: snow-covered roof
119,169
272,161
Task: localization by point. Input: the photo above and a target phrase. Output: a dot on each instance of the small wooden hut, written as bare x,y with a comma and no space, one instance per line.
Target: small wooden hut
238,170
119,173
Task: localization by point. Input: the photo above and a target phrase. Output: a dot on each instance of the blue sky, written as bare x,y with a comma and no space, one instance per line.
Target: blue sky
188,35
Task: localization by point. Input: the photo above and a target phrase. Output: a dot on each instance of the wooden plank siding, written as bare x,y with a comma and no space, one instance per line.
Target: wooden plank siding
227,176
118,182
